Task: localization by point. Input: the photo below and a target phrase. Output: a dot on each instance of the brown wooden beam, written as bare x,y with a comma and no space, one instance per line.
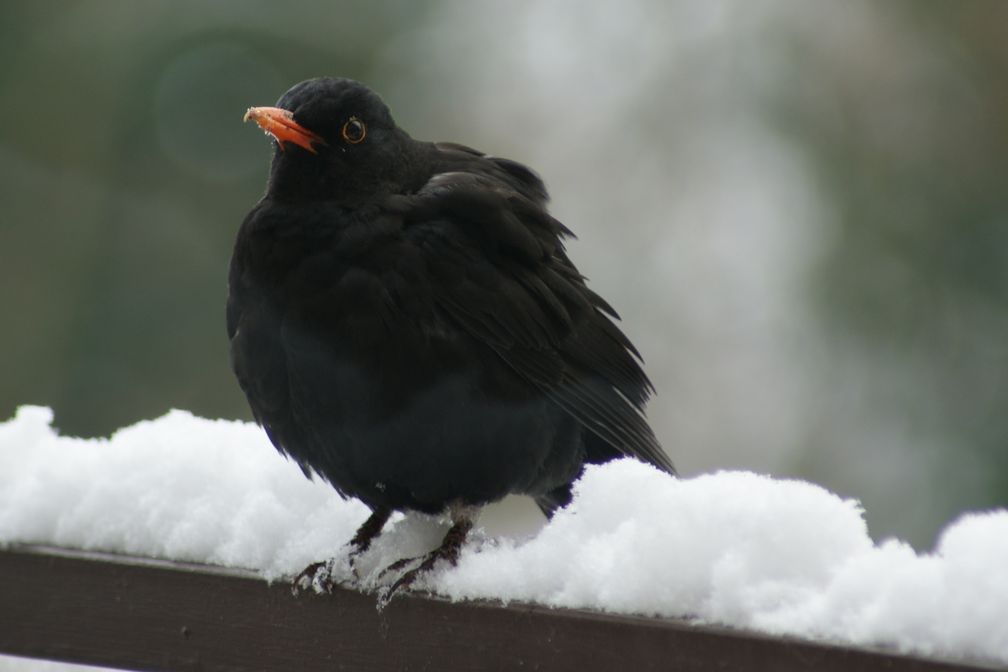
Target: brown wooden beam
142,614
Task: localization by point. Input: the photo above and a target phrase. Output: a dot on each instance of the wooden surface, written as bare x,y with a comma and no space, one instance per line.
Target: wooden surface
143,614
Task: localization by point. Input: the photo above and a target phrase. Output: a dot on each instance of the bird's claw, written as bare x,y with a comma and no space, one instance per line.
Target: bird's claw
449,550
313,577
318,576
400,564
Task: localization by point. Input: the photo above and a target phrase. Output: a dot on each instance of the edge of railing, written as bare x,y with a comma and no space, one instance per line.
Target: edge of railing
146,614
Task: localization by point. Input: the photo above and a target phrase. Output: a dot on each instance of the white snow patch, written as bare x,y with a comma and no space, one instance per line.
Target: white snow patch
178,487
733,548
736,548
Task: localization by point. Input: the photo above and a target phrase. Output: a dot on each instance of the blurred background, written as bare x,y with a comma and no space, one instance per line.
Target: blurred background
800,209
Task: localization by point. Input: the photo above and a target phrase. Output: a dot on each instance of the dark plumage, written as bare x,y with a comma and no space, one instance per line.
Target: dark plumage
406,324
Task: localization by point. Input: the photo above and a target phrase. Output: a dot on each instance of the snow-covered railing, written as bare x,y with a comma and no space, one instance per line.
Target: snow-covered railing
730,566
143,614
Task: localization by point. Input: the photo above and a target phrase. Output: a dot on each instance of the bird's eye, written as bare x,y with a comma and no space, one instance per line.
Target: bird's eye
353,131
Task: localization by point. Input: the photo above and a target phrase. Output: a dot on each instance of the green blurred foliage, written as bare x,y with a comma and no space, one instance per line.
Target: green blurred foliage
908,132
126,171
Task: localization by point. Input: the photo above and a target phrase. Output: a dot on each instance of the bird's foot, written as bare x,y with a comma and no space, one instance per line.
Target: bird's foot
319,576
324,576
316,577
449,550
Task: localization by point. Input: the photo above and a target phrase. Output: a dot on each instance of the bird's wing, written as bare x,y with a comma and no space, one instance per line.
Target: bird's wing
501,274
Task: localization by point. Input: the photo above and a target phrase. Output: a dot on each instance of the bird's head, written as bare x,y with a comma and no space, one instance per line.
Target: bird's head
334,139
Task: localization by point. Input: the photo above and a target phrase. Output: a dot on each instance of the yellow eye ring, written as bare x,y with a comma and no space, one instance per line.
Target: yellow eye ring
354,131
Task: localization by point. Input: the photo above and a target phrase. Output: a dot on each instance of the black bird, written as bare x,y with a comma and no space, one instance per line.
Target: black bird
406,324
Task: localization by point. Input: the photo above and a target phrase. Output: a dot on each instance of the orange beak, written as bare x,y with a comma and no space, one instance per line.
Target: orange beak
280,123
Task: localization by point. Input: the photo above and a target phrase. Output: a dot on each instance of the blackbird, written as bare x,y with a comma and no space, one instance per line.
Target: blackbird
406,324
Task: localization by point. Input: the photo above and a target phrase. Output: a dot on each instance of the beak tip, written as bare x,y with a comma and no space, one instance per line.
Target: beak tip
279,123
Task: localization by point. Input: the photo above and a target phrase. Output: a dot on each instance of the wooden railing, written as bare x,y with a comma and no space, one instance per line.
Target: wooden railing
142,614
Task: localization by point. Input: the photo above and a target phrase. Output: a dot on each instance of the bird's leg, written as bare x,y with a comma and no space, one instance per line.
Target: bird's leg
359,543
463,519
366,533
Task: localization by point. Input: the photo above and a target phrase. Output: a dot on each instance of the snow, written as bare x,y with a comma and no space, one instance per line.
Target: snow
731,548
178,487
15,664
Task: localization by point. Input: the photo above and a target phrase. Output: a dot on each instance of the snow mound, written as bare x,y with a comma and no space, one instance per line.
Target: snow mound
783,557
733,548
178,487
